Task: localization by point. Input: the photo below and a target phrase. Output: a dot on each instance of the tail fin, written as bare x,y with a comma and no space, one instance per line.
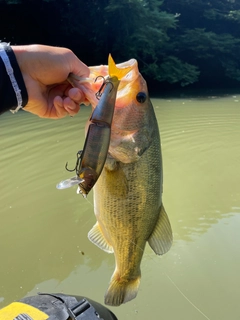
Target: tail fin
121,290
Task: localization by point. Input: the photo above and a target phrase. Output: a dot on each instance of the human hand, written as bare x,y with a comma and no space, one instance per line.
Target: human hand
45,70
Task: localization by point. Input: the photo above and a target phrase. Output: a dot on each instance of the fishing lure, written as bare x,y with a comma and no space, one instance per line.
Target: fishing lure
91,160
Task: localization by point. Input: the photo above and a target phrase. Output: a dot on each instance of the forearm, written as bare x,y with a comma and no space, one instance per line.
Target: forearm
8,82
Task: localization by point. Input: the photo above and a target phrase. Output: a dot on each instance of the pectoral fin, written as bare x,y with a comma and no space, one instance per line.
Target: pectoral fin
96,236
161,238
116,181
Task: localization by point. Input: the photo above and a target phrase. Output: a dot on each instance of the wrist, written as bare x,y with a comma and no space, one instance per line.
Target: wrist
14,83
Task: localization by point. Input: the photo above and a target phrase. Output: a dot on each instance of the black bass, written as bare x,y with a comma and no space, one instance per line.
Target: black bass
128,194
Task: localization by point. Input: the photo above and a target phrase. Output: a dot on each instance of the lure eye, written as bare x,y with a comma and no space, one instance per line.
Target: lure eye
141,97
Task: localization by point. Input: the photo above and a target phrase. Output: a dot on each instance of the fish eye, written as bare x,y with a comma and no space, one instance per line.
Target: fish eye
141,97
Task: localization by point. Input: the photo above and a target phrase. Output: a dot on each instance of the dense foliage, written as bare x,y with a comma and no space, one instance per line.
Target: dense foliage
174,41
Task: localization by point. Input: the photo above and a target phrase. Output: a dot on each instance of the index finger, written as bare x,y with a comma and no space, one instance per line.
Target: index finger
79,68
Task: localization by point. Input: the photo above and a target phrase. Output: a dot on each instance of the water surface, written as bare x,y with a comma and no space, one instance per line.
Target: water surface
43,231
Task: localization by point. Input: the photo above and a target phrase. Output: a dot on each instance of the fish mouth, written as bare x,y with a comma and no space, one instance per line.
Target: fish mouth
132,73
97,73
126,64
103,70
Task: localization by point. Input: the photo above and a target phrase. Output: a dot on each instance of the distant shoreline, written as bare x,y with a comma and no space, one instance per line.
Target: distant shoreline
194,93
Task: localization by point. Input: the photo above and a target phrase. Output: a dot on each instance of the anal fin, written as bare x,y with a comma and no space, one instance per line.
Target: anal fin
96,236
161,238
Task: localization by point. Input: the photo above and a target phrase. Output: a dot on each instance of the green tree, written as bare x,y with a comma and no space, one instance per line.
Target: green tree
208,36
175,41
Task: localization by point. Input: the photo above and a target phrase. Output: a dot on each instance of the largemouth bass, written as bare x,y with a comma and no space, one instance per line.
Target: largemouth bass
128,195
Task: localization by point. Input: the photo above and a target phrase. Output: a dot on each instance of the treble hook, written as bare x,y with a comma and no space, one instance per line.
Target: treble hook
77,163
99,93
101,78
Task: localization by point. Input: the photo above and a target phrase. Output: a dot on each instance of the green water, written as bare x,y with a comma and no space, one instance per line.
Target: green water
43,231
